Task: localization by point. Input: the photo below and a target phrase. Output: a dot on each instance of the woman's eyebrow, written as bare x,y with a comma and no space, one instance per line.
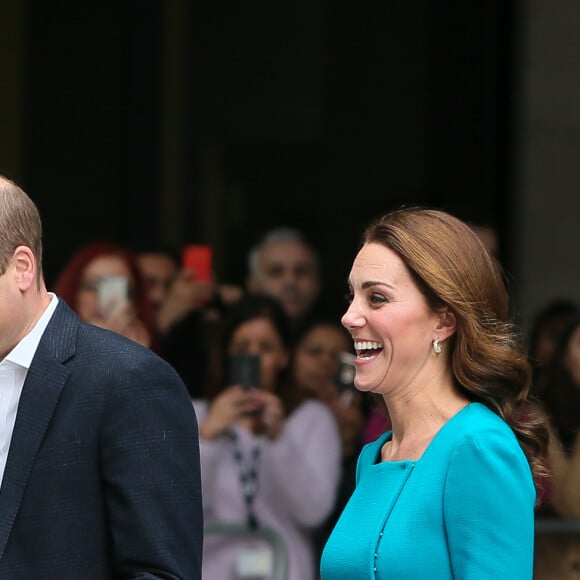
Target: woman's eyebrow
371,283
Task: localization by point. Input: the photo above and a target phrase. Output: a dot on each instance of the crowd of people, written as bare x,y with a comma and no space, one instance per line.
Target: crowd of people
296,431
450,401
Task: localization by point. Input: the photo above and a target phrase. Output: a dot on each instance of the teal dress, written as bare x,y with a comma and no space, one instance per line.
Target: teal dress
464,510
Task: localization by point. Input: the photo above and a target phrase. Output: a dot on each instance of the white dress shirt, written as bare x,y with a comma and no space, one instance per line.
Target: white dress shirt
13,371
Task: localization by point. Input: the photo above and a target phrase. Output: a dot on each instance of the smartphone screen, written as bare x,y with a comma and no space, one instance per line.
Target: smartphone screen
112,290
244,370
198,258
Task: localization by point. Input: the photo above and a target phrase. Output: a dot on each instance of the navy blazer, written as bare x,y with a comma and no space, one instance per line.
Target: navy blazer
102,478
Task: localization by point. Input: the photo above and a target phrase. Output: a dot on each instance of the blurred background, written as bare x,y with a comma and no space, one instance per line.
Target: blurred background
214,121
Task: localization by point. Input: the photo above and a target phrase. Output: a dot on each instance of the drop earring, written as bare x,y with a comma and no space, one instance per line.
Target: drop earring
437,346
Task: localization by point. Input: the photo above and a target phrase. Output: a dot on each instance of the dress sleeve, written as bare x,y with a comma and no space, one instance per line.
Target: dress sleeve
488,507
305,463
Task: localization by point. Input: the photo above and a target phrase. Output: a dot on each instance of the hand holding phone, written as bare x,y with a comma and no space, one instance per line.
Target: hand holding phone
244,370
344,378
112,290
199,259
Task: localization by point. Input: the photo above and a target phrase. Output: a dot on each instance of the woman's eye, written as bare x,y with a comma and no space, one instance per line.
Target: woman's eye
378,299
269,347
238,349
315,351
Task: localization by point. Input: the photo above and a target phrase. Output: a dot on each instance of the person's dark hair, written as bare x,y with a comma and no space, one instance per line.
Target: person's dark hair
453,268
157,248
559,393
553,317
313,321
250,307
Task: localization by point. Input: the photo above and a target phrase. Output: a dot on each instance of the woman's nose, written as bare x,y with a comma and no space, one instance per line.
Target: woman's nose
352,318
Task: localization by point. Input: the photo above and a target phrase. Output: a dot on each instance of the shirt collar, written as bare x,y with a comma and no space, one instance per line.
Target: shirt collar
23,353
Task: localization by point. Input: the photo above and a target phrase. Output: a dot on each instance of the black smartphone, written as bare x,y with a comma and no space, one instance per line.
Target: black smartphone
244,370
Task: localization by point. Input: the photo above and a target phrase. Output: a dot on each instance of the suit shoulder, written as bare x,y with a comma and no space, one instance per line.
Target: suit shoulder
118,352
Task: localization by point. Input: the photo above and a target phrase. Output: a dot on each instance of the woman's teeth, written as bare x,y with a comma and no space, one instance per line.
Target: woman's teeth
366,349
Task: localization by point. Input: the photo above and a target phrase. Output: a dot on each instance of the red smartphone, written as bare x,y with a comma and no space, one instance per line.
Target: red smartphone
199,258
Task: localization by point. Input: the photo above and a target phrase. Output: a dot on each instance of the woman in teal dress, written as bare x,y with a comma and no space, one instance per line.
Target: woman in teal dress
450,491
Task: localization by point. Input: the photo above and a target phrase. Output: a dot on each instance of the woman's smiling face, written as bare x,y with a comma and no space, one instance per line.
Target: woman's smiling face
392,324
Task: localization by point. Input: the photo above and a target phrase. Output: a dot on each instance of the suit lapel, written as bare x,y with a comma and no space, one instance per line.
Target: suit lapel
44,382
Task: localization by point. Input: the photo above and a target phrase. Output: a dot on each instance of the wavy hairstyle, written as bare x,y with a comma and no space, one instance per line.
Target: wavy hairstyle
453,268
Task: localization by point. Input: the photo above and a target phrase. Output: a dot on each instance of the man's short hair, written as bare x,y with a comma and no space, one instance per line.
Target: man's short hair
273,237
20,224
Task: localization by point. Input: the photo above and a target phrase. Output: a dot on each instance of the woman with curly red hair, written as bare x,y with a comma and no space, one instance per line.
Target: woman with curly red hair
78,285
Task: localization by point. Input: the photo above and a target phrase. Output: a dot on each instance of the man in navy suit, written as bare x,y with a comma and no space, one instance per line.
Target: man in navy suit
99,452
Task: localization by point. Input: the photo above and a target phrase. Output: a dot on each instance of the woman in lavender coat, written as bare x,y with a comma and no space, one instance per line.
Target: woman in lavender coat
270,456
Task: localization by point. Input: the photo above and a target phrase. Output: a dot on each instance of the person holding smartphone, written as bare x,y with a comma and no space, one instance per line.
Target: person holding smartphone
270,454
320,367
187,304
102,283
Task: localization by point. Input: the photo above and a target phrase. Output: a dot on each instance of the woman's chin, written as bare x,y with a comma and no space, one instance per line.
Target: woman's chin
363,386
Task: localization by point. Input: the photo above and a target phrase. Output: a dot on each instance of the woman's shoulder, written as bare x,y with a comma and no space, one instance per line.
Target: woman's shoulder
479,450
477,418
477,427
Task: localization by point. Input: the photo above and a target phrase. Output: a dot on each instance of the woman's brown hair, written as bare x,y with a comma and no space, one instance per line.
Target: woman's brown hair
453,269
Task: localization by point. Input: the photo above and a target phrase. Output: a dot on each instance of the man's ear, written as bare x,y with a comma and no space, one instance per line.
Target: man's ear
447,324
24,262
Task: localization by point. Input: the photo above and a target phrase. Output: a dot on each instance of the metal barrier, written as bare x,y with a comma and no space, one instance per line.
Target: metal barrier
557,526
280,571
557,548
